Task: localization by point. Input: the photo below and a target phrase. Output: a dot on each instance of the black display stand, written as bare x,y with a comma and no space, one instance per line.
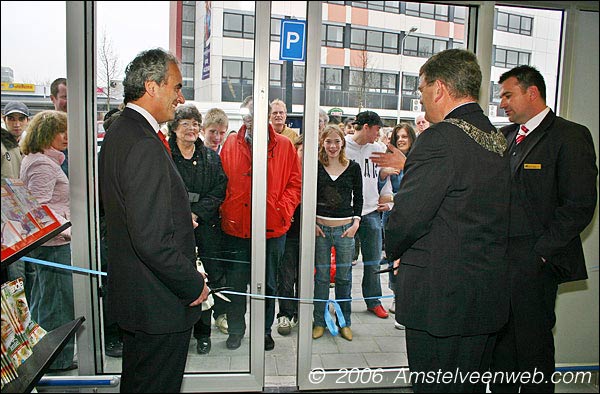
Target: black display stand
44,353
48,348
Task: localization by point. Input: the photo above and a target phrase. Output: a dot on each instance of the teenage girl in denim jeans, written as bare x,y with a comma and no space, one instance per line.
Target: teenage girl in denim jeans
339,207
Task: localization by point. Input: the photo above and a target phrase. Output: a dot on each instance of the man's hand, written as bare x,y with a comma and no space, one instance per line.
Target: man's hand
203,296
396,265
394,159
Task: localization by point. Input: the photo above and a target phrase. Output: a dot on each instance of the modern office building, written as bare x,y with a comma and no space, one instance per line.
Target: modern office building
370,56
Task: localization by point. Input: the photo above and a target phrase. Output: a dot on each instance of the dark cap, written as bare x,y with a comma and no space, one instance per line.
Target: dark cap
16,106
368,117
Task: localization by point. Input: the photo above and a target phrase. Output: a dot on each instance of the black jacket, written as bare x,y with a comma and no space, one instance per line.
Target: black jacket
152,276
556,174
204,178
449,226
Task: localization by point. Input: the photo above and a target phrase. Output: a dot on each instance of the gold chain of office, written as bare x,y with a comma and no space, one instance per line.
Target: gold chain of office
494,141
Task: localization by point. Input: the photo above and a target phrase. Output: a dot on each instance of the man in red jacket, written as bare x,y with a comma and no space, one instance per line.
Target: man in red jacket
284,181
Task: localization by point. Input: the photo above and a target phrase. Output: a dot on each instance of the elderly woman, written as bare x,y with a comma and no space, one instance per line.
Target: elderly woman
52,290
201,171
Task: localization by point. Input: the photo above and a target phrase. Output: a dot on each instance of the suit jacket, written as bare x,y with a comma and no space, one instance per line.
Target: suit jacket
555,173
152,276
449,226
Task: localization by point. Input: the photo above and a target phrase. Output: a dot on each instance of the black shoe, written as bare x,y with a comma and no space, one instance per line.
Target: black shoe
234,341
114,349
203,345
269,342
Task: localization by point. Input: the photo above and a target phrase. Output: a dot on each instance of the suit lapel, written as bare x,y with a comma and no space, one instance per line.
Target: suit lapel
534,138
148,130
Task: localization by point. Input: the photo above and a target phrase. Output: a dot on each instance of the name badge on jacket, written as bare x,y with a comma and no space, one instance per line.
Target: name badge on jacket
532,166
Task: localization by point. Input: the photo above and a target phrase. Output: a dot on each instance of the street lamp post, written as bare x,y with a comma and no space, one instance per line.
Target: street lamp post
412,30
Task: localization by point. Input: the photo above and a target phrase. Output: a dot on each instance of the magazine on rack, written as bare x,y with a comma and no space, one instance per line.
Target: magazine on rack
24,221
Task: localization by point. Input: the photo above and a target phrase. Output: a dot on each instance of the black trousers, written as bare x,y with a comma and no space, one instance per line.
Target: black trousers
287,278
432,357
526,343
154,363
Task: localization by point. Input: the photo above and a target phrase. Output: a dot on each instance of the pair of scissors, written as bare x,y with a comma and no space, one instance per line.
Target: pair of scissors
217,291
389,269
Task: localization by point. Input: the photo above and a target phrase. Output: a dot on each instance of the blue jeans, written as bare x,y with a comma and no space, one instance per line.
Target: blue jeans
52,296
344,251
238,277
370,234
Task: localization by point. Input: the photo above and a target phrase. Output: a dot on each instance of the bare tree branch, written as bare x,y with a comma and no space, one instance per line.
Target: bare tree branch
108,66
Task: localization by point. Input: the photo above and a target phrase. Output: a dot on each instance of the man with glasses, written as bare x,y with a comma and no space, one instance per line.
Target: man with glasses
447,233
278,116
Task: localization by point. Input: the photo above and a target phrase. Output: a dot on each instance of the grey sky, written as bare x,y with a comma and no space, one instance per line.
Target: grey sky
33,39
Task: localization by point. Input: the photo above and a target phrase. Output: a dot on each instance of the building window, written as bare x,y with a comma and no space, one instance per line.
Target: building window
275,74
390,43
374,41
428,11
358,39
513,23
336,2
508,58
392,6
188,13
275,29
332,36
460,14
423,46
237,80
187,55
387,6
359,4
372,82
238,25
331,78
298,81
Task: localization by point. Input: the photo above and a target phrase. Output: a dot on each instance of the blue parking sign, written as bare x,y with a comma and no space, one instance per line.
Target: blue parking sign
293,40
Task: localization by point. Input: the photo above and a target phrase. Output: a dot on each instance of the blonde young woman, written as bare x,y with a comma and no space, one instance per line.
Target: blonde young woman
339,207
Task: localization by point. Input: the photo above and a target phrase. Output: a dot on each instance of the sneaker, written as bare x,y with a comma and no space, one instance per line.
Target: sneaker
392,308
284,326
379,312
398,326
269,342
221,323
234,341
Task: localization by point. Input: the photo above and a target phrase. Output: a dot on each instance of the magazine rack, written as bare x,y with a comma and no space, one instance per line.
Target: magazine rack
45,352
26,225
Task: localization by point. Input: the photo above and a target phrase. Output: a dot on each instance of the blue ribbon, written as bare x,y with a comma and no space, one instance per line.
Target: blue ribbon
331,326
66,267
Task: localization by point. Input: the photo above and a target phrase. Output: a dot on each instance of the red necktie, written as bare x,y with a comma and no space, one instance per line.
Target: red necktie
522,134
164,141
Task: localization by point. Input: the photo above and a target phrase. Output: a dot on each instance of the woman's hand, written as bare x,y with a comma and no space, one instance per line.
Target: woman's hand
319,232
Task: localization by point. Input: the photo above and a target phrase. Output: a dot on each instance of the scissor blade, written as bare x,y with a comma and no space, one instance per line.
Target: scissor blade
222,296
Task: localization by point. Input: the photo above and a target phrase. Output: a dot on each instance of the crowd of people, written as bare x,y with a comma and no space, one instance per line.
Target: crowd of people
477,226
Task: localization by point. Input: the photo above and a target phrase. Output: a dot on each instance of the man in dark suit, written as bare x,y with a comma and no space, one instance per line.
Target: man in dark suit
449,229
154,289
553,197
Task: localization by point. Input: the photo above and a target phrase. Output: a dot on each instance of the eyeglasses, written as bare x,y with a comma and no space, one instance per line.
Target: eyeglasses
189,125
